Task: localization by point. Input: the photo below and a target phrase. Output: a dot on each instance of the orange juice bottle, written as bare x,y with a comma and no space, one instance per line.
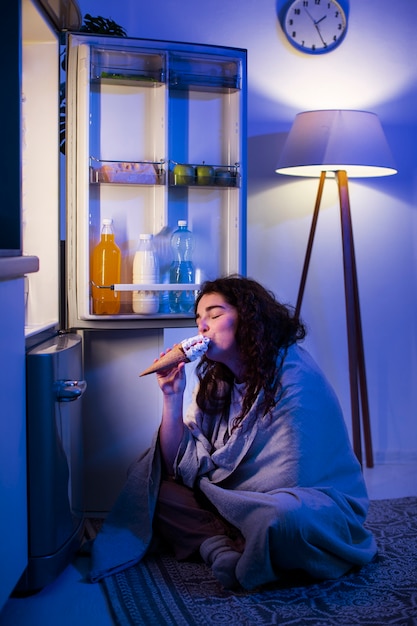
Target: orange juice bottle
106,265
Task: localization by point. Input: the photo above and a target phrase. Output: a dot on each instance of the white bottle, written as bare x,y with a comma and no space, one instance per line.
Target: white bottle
146,272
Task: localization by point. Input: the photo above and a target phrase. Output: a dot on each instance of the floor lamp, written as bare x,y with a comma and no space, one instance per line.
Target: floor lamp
341,144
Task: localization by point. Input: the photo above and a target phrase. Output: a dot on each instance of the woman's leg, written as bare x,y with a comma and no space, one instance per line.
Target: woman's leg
184,519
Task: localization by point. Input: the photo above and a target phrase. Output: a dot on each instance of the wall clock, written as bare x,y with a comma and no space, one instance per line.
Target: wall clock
315,26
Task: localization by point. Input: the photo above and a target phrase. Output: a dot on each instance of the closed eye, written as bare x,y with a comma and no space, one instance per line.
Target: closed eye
219,310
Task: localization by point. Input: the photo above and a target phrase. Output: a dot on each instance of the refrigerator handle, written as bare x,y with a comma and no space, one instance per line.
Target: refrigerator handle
69,390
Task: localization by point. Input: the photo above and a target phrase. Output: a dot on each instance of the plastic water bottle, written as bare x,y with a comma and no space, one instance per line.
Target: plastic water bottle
182,269
146,272
106,267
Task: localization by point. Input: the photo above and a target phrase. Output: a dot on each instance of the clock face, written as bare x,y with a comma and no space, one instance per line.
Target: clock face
315,26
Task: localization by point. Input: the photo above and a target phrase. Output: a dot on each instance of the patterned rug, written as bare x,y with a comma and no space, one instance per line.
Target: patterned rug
161,591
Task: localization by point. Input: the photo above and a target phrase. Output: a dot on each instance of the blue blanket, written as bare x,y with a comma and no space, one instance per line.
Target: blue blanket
289,481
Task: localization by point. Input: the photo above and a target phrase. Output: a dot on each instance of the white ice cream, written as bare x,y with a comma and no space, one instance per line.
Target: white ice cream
195,347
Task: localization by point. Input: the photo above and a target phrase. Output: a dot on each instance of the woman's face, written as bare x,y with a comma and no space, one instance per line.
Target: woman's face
217,320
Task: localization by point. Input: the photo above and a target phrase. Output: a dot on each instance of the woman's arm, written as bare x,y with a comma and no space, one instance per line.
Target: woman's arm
172,384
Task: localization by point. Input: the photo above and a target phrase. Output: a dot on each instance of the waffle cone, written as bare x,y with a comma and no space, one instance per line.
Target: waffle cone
170,359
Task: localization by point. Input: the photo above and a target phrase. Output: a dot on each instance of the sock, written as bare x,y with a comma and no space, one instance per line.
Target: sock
222,555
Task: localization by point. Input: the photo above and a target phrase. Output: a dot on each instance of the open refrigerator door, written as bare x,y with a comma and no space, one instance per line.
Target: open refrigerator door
40,168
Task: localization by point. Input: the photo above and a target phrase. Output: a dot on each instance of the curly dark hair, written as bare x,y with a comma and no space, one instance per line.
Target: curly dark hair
265,329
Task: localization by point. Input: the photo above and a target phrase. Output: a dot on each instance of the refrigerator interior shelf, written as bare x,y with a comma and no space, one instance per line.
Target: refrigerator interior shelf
127,80
195,82
127,172
126,67
150,286
127,320
188,71
221,176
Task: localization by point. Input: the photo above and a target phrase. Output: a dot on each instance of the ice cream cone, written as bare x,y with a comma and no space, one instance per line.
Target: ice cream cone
170,359
183,352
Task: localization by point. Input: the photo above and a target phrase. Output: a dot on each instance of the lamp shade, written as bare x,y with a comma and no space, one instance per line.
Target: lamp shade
332,140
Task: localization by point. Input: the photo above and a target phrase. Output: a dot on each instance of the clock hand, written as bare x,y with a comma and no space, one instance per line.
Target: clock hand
315,25
310,16
315,22
318,30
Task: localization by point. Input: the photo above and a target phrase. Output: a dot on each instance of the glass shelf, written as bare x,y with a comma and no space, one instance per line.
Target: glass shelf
126,312
218,84
128,80
127,67
152,287
202,74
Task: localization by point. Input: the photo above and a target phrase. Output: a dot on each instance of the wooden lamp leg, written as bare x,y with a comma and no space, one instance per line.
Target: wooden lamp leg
357,371
310,245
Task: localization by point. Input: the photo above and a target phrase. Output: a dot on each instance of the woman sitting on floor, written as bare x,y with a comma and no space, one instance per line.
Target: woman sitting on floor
259,479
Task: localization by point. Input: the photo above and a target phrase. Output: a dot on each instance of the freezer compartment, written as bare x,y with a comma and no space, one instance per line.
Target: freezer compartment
55,387
122,411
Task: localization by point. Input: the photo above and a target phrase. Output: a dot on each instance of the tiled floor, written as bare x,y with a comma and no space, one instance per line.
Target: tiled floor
71,601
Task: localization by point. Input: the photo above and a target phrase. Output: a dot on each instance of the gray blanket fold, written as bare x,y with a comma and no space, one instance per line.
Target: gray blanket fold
127,532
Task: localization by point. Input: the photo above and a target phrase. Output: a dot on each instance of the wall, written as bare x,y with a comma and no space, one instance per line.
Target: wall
374,69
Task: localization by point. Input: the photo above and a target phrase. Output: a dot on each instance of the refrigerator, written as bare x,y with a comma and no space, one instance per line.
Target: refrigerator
105,123
55,380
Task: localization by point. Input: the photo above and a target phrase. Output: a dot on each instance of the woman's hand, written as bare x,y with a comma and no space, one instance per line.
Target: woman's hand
172,381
